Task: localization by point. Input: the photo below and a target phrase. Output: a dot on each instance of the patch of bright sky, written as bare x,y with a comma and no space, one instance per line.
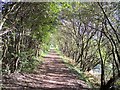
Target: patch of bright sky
0,6
5,0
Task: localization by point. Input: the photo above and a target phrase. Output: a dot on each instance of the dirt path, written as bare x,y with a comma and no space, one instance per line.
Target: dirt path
51,75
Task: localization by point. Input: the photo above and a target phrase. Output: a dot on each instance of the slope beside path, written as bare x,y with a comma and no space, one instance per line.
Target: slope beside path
53,74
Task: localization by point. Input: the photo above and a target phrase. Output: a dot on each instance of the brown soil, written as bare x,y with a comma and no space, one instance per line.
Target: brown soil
53,74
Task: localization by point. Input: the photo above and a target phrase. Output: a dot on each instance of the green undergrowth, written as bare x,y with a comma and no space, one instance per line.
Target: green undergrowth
81,75
117,83
43,53
29,66
78,72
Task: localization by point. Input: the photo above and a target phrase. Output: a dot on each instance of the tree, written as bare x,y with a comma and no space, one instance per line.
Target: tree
29,26
89,34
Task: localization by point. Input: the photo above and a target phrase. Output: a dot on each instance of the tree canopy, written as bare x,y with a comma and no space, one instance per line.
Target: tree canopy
86,32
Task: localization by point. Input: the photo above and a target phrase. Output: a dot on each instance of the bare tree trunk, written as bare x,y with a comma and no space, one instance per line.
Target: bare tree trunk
102,63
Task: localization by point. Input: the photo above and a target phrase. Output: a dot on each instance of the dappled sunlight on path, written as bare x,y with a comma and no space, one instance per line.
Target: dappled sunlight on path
53,74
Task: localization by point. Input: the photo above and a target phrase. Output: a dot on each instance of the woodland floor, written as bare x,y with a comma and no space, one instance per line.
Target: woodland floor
53,74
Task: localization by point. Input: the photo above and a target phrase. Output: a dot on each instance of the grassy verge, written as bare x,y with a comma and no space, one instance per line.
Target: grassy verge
81,75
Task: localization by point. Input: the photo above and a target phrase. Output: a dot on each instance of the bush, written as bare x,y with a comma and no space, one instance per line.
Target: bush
28,62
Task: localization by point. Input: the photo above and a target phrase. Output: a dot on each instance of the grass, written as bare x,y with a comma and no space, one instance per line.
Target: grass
81,75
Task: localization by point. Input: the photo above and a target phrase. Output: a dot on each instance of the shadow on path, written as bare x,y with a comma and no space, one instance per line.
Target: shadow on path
51,75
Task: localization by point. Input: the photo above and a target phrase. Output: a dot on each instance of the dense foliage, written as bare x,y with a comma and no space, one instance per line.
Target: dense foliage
27,26
88,33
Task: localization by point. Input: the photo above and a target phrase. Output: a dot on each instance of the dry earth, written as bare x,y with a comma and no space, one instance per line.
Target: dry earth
53,74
